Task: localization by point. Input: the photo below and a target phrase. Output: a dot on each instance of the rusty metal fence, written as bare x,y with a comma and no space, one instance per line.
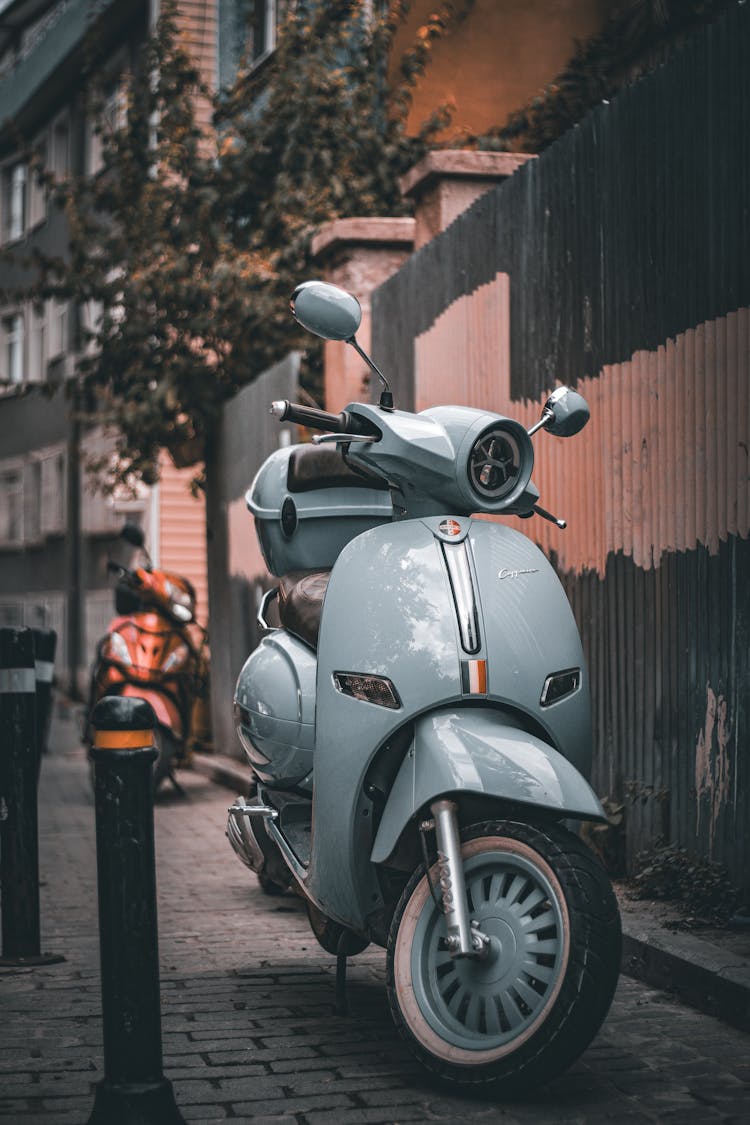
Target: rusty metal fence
619,261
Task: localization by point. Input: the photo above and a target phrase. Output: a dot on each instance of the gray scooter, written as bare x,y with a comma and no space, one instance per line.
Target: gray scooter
419,726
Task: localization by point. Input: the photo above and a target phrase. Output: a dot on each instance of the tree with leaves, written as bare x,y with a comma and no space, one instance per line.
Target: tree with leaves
185,246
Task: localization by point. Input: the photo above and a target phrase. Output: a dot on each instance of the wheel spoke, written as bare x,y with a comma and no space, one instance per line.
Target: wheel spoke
473,1012
515,889
544,973
450,990
534,899
492,1018
527,993
496,887
475,890
457,997
513,1013
544,947
541,922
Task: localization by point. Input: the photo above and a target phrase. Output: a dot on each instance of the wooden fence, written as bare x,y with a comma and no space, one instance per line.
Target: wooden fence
619,261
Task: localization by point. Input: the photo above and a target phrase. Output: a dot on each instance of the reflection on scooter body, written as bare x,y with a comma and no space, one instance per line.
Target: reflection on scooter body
419,727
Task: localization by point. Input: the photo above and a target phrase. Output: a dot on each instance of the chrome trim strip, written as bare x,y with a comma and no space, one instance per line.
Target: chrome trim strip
265,602
297,869
459,572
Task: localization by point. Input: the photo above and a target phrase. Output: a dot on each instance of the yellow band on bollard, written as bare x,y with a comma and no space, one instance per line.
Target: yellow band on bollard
122,739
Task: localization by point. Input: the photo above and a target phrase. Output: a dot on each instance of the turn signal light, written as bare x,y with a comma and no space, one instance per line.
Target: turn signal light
370,689
560,684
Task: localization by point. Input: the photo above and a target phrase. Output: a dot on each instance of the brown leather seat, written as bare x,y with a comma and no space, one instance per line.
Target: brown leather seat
301,594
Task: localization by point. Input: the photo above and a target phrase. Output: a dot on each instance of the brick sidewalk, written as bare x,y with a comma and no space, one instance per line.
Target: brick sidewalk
247,1002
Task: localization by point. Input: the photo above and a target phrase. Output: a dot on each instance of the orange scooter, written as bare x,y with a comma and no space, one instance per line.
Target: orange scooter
154,650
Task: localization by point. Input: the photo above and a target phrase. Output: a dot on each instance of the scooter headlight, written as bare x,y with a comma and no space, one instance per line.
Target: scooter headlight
118,649
370,689
495,465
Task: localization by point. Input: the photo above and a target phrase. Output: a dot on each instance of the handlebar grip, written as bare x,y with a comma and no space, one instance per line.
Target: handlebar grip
343,423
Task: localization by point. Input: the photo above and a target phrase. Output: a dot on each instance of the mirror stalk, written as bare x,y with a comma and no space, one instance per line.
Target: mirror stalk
386,395
545,419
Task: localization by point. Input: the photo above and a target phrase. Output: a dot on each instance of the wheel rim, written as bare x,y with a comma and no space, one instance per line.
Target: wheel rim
490,1007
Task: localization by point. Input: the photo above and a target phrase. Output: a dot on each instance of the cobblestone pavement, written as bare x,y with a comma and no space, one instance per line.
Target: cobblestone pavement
247,1017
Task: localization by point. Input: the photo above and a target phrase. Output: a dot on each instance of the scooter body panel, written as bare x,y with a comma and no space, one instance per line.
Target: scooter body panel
166,710
475,751
390,611
275,709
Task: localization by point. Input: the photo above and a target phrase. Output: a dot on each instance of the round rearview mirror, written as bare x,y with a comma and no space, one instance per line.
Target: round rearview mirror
567,412
326,310
133,534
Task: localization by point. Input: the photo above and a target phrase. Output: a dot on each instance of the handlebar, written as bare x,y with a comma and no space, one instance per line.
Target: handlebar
343,423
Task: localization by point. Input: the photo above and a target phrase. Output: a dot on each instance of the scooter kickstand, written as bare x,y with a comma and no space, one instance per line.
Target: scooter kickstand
342,951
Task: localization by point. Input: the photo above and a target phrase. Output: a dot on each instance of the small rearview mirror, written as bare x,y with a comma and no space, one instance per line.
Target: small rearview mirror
133,534
326,310
566,412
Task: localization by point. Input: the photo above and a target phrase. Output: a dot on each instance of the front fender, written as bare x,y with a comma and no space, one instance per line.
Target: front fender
480,751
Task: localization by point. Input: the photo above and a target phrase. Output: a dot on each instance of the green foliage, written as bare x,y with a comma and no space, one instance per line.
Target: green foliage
186,246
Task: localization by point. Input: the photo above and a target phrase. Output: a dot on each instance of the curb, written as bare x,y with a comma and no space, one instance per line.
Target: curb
229,772
702,974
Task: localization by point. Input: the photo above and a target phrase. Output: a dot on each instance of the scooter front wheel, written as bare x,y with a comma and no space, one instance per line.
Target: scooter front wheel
166,748
524,1011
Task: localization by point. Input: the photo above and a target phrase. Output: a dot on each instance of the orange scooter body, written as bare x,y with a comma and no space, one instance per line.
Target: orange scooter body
149,654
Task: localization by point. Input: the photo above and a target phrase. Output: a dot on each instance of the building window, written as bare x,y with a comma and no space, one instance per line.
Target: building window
12,348
60,149
262,28
57,320
52,505
38,344
247,33
14,201
11,506
37,191
109,118
33,502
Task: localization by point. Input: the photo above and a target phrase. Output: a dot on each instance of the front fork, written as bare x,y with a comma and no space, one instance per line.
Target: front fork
463,937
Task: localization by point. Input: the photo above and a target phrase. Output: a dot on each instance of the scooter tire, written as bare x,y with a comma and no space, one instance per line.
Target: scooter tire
328,933
166,747
493,1022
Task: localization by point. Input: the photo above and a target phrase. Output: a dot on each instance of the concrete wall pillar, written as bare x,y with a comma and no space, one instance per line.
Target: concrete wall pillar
358,255
447,181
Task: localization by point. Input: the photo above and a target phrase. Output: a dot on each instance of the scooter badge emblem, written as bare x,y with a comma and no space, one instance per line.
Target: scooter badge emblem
450,527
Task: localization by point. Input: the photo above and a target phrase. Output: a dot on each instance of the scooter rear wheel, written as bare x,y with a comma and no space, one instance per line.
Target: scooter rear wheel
523,1013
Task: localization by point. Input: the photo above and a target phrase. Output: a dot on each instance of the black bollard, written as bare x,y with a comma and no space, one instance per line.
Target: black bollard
19,839
45,643
134,1090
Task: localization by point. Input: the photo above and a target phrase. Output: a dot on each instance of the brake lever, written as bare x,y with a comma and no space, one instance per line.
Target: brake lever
341,439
